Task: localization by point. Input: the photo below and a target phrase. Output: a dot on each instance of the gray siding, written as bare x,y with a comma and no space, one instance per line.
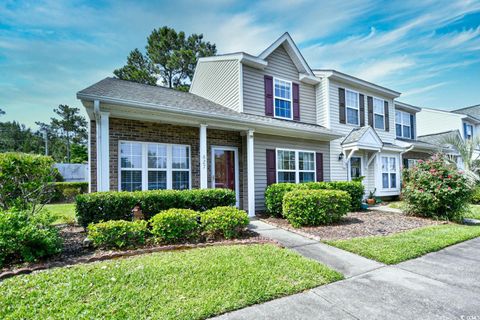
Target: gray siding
218,81
279,65
321,93
263,142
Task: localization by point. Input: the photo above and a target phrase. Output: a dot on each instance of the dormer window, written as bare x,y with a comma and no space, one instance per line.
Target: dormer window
283,99
403,124
352,107
379,113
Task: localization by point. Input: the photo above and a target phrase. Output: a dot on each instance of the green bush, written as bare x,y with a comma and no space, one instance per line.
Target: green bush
26,237
434,188
104,206
175,226
275,193
315,207
476,196
225,222
67,191
25,180
118,233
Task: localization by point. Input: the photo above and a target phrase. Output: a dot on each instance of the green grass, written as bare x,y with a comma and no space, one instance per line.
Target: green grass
396,205
474,212
407,245
65,212
192,284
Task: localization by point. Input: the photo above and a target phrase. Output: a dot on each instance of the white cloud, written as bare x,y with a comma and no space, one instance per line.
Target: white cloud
378,70
421,90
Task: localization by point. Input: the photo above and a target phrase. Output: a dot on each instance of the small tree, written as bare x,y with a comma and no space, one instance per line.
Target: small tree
25,181
435,188
138,69
466,150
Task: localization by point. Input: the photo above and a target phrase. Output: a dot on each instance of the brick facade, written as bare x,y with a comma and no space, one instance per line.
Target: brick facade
142,131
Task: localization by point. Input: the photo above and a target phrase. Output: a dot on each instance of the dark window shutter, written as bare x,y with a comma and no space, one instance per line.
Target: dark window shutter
370,110
296,101
387,118
268,81
319,163
271,167
362,110
412,126
341,104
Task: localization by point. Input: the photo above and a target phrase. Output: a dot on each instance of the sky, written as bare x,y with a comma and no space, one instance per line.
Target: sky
428,50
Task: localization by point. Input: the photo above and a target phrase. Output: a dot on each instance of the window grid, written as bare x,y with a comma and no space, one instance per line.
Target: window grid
156,170
282,93
378,114
302,168
403,126
389,172
352,107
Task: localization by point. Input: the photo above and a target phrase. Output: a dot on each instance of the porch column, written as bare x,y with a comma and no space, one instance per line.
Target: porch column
251,174
103,147
203,157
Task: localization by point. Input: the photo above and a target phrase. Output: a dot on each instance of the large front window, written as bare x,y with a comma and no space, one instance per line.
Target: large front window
389,172
153,166
403,125
295,166
283,98
379,113
352,107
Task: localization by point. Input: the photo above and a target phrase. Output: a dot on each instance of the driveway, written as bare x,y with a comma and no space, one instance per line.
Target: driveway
440,285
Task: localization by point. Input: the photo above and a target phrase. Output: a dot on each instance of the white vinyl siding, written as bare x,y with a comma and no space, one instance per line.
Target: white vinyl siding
152,166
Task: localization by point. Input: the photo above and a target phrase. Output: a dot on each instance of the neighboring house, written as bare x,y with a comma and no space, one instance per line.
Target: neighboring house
247,122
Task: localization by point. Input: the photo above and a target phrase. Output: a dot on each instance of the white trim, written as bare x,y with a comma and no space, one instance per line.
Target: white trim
105,146
396,172
380,114
145,169
251,173
327,109
203,157
243,57
89,150
297,162
407,107
280,98
402,125
237,169
347,107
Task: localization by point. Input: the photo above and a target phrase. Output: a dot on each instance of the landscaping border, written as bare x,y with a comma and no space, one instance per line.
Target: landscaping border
134,252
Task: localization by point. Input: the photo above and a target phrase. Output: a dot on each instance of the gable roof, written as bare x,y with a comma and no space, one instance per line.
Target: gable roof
473,111
155,98
438,138
360,137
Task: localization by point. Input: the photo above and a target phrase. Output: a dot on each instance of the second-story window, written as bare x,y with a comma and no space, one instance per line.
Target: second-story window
468,131
283,98
352,107
379,113
403,125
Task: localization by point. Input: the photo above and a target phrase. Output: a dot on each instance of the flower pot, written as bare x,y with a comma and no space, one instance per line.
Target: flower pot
371,201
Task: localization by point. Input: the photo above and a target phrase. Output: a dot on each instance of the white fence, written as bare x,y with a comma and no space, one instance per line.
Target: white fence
73,172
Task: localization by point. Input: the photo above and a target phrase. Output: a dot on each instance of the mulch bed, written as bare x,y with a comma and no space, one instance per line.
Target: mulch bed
358,224
74,252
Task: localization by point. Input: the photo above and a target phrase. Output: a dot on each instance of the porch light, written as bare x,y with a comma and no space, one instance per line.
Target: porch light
340,156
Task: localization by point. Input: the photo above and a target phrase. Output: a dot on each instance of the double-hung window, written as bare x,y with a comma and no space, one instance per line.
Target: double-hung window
352,107
389,172
153,166
295,166
283,99
403,125
378,114
468,131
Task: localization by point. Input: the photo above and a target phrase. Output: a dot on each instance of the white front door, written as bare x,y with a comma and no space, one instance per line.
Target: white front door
225,173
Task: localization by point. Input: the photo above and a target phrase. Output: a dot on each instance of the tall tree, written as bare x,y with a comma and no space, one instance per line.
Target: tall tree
139,68
71,126
175,56
18,138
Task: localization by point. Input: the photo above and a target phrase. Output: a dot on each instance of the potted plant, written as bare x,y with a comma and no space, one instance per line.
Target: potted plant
371,197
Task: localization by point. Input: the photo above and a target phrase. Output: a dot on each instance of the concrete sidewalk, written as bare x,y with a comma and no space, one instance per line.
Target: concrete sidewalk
347,263
440,285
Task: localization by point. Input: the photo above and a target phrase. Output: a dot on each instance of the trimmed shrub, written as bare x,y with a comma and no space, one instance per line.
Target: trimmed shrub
67,191
118,233
26,237
104,206
275,193
436,189
175,226
476,196
315,207
224,222
25,180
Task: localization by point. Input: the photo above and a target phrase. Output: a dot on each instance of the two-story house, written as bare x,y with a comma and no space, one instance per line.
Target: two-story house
247,122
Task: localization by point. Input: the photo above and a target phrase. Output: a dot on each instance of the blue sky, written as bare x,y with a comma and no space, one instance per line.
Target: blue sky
428,50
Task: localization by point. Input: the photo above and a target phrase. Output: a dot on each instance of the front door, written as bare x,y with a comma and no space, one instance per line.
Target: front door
225,168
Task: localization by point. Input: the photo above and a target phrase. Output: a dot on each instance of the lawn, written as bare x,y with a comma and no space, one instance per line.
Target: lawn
65,212
192,284
407,245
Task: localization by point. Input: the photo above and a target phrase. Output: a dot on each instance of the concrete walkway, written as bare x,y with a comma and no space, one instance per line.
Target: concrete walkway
440,285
